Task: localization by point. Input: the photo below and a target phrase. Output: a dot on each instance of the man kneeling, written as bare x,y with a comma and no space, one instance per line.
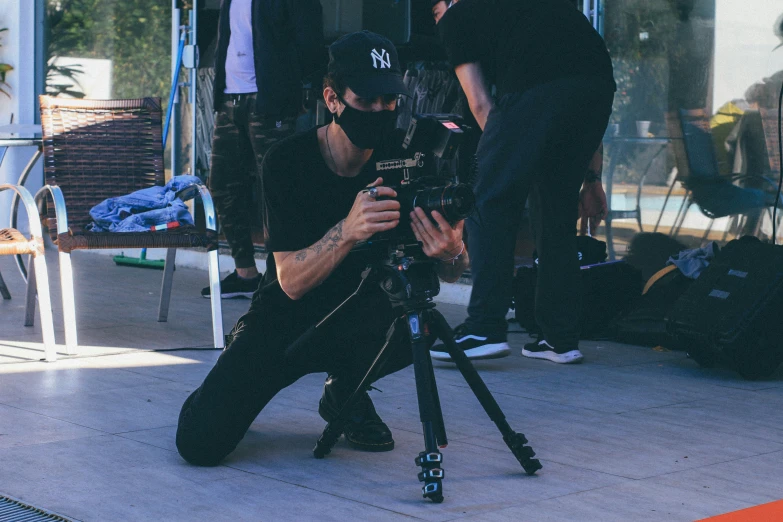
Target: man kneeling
316,208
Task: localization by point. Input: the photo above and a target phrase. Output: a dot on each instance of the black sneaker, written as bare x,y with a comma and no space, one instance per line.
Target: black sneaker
476,346
234,286
365,430
544,350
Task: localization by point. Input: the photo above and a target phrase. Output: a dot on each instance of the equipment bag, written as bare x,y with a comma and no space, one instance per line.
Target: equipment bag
608,289
644,324
731,314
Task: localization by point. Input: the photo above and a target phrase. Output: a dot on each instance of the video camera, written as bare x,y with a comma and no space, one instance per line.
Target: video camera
429,136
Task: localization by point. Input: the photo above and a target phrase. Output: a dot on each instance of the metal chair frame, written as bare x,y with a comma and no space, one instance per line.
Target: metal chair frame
39,275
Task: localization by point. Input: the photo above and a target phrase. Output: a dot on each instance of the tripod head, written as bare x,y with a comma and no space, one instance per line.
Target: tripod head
403,270
409,277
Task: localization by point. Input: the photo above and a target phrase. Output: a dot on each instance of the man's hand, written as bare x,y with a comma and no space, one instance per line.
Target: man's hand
592,198
592,206
369,216
439,239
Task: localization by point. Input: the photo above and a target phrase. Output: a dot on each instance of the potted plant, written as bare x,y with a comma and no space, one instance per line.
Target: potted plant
4,68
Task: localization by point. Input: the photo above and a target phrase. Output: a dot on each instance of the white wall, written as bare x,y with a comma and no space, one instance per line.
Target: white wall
744,41
18,50
94,79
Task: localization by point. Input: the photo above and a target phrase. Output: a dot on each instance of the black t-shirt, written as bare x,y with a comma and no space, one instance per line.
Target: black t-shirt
524,43
302,200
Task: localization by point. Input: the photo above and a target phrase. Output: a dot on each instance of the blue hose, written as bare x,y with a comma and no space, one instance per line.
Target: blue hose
169,110
173,93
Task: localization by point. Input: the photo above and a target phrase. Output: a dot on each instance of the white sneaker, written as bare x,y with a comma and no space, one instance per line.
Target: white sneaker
475,346
544,350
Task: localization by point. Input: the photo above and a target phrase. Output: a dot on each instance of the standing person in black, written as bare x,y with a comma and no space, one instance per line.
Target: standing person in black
317,206
555,89
266,51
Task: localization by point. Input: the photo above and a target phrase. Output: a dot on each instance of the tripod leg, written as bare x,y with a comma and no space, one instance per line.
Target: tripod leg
440,427
515,441
335,428
430,459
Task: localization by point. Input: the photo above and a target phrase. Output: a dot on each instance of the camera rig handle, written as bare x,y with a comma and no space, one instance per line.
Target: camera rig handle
416,161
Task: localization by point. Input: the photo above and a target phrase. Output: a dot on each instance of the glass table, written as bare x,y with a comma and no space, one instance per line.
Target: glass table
617,145
16,135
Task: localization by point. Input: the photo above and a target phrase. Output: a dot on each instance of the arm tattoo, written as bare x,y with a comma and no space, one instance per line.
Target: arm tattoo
329,242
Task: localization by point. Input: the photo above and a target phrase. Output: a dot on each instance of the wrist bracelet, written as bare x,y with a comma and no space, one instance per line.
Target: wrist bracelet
454,259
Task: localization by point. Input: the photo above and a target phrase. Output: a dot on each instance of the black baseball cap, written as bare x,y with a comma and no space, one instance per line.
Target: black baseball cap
368,64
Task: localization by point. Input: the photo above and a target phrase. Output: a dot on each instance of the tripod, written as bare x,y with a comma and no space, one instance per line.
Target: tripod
411,285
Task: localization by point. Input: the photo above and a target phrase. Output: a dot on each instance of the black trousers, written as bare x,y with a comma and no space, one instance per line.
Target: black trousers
538,143
240,140
254,367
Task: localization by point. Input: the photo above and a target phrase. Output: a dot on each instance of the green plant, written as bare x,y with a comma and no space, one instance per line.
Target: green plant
4,68
62,36
134,35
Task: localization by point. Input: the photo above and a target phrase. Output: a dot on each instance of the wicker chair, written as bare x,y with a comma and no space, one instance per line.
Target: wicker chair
13,242
98,149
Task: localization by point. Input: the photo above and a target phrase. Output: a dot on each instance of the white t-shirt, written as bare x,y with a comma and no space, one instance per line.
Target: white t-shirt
240,66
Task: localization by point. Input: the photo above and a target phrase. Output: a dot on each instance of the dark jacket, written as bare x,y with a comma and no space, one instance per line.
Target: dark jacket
288,49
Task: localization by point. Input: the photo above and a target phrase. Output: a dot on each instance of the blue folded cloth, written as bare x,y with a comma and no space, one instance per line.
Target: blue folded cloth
139,211
693,262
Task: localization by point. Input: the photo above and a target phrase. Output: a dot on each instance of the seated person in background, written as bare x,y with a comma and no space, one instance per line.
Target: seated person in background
317,207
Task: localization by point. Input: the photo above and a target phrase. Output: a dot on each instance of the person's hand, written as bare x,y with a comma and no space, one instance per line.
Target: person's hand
439,239
592,206
439,9
369,216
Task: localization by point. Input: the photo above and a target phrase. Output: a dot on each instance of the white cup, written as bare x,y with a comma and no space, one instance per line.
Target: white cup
642,128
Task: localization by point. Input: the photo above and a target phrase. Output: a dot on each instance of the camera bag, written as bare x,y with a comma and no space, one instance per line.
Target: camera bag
644,324
731,315
608,289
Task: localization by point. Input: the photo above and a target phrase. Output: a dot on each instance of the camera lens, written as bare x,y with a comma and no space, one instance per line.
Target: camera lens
454,202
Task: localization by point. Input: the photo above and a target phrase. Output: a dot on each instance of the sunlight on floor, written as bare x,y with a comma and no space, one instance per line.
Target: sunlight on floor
29,352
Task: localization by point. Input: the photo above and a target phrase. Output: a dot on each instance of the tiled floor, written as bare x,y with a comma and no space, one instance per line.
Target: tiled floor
631,434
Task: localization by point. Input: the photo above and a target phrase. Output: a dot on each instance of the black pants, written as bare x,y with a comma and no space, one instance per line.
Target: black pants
240,140
253,368
538,143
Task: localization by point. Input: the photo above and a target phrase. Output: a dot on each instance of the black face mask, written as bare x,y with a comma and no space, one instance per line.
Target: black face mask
365,129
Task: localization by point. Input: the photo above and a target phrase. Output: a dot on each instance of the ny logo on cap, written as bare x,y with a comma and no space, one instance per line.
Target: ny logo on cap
381,58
